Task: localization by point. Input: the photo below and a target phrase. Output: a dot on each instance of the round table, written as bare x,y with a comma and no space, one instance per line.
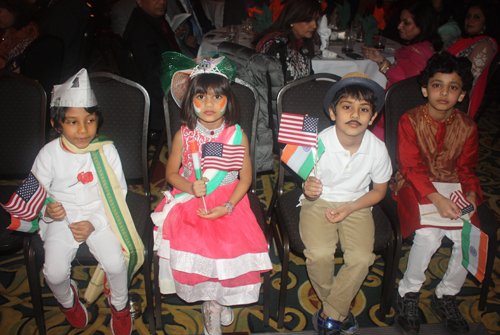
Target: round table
341,67
337,66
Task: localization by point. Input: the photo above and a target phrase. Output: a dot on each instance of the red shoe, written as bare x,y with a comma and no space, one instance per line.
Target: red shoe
76,315
121,321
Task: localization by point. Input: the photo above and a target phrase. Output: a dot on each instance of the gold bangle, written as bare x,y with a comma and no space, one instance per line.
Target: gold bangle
385,66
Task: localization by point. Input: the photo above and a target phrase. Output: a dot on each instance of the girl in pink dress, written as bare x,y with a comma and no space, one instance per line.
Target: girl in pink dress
212,248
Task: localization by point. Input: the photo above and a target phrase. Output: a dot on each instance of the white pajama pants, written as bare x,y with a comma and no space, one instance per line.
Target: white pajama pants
60,250
425,244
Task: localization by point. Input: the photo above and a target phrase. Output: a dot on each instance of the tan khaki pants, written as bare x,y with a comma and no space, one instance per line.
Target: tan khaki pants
356,233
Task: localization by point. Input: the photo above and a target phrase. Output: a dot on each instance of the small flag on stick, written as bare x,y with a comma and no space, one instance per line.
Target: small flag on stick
301,159
27,200
459,198
474,249
298,130
224,157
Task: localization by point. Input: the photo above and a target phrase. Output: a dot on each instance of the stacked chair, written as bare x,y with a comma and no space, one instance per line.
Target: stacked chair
22,133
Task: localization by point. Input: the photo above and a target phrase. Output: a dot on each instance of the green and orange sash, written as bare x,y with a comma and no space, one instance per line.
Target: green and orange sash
117,213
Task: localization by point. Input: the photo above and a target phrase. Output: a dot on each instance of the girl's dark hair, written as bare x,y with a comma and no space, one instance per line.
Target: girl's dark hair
424,16
295,11
444,62
58,115
201,84
22,10
359,92
490,22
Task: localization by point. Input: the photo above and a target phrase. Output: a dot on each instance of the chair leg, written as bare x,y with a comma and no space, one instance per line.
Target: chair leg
267,297
388,282
283,288
157,292
148,283
35,288
156,156
492,246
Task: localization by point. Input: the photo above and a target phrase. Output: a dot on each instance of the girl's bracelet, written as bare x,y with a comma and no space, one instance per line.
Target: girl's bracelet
229,207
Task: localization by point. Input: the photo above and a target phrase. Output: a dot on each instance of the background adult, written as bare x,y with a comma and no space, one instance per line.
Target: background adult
418,32
149,35
446,15
291,38
17,31
479,46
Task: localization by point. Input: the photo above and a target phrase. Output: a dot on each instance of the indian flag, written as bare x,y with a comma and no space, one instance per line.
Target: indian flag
474,249
23,225
301,159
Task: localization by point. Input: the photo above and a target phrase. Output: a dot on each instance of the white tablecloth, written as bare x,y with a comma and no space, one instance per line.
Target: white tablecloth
337,66
341,67
213,38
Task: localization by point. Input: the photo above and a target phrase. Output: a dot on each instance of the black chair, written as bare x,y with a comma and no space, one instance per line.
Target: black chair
124,58
42,61
125,108
249,103
22,135
400,98
305,96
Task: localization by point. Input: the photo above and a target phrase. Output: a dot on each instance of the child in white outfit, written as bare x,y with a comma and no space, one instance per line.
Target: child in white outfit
67,170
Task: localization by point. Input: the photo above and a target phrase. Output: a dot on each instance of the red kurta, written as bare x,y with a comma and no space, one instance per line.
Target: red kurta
433,151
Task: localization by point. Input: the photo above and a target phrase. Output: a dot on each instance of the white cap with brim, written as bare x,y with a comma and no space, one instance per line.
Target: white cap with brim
75,92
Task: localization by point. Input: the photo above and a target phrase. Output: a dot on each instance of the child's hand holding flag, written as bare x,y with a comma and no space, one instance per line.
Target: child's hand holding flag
25,205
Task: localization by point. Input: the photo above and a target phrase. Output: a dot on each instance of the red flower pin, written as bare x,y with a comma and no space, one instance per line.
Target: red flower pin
85,177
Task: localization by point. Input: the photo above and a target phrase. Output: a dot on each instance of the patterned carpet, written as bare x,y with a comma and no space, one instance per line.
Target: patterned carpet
17,317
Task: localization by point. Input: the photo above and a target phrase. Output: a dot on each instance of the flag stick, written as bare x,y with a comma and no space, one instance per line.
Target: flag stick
315,153
197,167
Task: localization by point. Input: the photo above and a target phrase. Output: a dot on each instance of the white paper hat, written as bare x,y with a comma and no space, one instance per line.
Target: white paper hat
75,92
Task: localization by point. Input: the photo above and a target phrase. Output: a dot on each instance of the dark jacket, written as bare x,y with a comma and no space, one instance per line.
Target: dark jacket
147,41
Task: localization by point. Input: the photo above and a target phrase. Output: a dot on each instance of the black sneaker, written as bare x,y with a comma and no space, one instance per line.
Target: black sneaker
326,326
447,309
349,325
407,313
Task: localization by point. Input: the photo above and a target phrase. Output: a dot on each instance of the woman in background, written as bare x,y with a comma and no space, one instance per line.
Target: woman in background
477,45
291,38
418,30
18,31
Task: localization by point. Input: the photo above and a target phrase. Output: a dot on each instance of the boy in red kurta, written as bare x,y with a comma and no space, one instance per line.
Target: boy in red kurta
436,143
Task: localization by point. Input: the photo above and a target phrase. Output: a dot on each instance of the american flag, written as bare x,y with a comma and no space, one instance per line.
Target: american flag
26,202
465,206
299,130
220,156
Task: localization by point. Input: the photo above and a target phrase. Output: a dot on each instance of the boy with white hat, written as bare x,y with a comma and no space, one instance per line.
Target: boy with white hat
68,168
337,201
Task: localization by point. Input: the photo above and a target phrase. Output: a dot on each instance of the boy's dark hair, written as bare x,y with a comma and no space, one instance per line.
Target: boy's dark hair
445,62
359,92
58,115
201,84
